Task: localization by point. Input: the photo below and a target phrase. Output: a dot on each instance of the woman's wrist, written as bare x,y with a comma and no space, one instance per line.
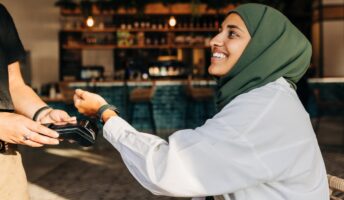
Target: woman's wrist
106,111
107,114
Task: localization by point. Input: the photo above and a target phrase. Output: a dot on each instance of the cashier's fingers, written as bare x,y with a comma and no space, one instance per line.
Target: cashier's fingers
35,139
32,143
57,115
71,120
41,139
42,130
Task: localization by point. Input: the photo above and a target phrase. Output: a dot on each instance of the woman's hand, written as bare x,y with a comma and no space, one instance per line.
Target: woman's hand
18,129
88,103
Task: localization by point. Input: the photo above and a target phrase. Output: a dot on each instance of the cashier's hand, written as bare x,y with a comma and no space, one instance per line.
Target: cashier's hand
55,116
18,129
88,103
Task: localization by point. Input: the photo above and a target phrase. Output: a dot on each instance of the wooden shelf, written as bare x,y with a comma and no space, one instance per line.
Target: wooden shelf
154,9
108,46
107,30
106,14
195,30
194,24
78,13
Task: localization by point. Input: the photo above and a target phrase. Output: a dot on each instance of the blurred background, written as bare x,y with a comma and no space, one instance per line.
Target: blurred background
150,59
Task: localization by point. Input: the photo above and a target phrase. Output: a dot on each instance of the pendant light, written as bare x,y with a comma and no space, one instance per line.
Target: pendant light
90,21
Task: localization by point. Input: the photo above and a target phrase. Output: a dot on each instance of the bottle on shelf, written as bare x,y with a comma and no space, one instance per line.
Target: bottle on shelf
140,39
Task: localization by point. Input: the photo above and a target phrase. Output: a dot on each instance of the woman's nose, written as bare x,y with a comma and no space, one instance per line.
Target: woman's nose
216,41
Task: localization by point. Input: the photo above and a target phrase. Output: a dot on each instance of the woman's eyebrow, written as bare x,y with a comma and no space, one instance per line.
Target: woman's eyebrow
231,26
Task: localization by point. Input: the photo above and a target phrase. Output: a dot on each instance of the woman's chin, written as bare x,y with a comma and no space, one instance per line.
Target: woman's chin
212,70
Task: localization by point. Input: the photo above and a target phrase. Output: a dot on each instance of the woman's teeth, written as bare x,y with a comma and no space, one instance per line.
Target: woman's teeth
219,55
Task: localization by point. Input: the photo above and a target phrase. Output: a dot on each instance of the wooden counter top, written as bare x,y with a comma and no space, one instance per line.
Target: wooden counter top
326,80
201,82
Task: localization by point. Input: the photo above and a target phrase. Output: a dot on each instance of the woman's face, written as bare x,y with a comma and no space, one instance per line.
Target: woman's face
228,45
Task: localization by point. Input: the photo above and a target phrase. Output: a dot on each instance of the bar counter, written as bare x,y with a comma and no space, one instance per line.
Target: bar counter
329,90
169,102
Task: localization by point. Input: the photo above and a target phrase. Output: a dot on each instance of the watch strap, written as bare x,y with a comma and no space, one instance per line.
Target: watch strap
103,108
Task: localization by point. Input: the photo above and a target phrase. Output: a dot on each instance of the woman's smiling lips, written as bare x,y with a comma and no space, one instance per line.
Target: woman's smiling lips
218,56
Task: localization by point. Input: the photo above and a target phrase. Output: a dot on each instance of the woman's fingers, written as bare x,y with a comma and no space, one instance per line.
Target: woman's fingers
75,97
87,103
85,96
80,93
77,101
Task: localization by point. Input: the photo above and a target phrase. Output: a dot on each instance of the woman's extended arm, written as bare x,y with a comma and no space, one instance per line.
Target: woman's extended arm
210,160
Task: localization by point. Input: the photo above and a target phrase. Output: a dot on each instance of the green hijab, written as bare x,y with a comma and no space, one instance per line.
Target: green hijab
276,49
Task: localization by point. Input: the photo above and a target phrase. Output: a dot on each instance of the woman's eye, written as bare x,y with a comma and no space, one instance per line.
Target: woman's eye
232,34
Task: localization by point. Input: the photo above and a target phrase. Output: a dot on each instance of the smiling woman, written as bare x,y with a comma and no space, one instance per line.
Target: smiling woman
228,45
260,145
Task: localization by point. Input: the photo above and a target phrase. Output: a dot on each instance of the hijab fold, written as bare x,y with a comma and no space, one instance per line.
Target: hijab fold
276,49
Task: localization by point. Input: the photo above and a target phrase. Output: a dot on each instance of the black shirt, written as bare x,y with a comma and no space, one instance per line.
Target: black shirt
11,50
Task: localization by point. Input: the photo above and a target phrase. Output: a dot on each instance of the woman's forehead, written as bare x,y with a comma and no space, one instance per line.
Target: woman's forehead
233,19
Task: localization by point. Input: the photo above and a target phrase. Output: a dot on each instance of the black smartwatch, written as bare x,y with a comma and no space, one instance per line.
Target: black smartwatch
105,107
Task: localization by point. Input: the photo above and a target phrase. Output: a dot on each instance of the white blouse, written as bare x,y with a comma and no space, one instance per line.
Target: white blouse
260,146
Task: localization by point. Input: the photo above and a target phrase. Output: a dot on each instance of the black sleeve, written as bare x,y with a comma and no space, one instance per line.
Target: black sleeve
9,38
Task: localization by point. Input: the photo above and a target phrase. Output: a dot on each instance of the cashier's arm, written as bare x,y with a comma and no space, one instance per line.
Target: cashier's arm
25,100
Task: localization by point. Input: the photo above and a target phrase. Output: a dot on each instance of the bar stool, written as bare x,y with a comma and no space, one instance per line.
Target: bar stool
143,96
200,95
